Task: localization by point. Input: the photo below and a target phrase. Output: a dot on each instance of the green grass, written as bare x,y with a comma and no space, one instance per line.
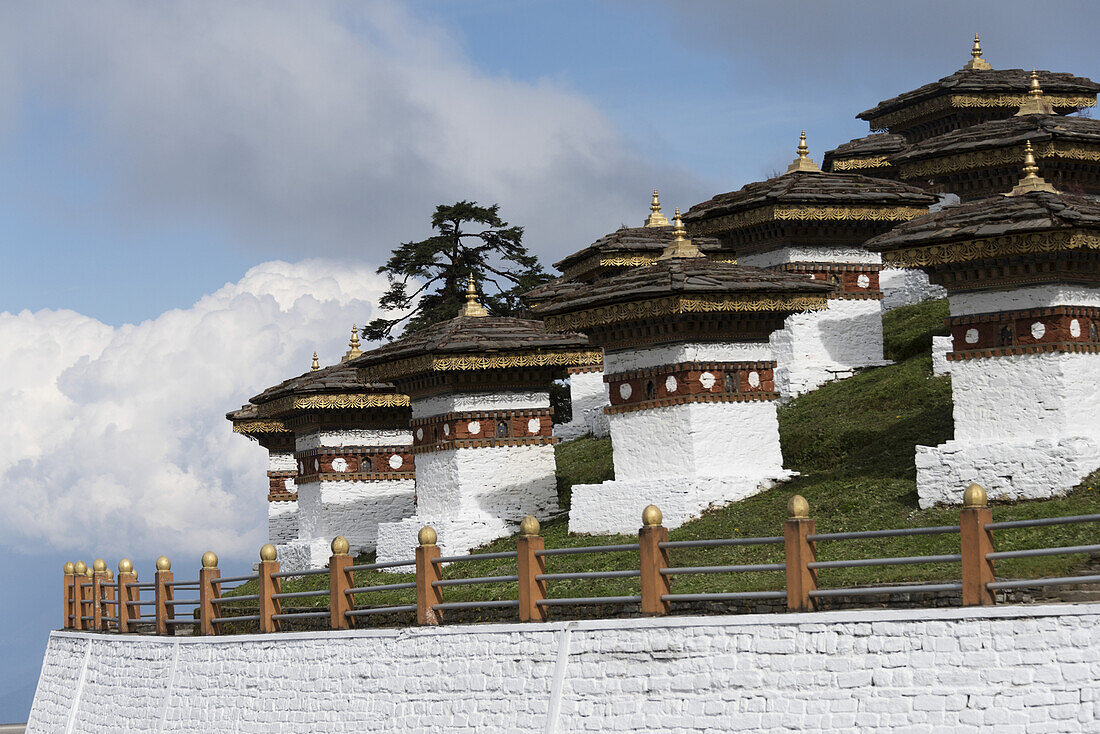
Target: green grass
853,443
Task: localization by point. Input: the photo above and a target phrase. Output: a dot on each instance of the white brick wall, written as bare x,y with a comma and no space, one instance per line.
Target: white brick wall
1009,669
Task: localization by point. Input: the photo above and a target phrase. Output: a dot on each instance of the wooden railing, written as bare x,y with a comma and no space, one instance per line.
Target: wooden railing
95,601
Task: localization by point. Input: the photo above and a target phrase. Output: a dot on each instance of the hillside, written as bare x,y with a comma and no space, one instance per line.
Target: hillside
853,443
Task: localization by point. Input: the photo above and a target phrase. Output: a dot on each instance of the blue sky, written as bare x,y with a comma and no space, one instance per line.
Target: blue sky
151,153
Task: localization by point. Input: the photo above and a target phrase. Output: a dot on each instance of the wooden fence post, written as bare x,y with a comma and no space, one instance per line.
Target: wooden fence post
162,594
80,569
99,568
67,594
339,581
209,590
798,552
106,584
269,586
529,565
653,558
427,595
976,540
126,576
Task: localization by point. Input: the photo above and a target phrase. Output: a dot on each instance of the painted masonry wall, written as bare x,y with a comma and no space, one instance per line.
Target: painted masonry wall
588,395
1009,669
906,286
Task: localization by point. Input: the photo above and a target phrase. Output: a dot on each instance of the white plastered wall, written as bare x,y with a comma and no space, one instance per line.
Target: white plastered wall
588,395
905,287
1026,426
282,517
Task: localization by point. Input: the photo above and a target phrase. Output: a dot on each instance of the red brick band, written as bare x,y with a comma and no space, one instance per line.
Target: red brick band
1026,331
470,429
362,463
691,382
853,281
276,486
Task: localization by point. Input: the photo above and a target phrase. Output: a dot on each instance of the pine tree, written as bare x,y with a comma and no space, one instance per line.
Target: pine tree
469,239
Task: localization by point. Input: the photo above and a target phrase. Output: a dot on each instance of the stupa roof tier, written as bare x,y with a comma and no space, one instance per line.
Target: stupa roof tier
328,388
869,155
759,213
476,343
1002,226
983,159
681,286
626,247
971,96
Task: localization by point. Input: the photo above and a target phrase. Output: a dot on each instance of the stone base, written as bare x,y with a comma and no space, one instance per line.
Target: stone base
1009,470
302,555
351,508
616,506
397,541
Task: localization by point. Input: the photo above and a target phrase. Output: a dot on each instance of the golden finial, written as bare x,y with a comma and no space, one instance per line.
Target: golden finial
680,246
1031,180
798,508
316,365
472,307
655,218
99,566
1035,103
70,568
79,568
267,552
353,345
803,162
651,516
975,496
163,564
339,546
426,536
125,566
529,527
977,63
209,559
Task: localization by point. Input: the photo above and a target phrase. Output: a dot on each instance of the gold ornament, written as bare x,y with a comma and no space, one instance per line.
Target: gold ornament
655,218
339,546
975,496
798,508
267,552
209,559
529,527
651,516
977,63
426,536
125,566
803,162
164,564
472,307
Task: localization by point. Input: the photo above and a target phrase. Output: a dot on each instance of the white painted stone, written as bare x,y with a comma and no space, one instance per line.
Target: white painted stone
941,345
815,254
353,437
679,457
282,522
1009,668
480,494
1039,296
1025,426
587,392
280,461
460,402
816,347
906,286
626,360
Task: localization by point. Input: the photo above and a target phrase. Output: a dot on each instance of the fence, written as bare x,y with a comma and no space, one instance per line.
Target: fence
93,600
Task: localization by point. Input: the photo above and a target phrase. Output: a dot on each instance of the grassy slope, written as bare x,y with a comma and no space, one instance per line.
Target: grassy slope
853,443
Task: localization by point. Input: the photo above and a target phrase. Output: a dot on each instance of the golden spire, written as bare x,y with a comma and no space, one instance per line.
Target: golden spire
655,218
977,63
1031,180
803,162
316,365
681,246
353,345
1035,103
472,307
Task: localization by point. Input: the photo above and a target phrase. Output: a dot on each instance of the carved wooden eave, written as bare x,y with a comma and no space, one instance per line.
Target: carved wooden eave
935,166
342,401
990,248
913,115
600,263
859,164
787,213
430,363
257,426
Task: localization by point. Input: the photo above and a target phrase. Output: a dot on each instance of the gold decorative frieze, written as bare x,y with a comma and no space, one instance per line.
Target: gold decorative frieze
673,305
995,157
903,117
259,426
430,363
339,401
753,217
993,247
597,262
857,164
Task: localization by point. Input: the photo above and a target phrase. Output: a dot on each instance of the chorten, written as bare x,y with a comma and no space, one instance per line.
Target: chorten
348,459
814,224
1022,272
690,371
481,423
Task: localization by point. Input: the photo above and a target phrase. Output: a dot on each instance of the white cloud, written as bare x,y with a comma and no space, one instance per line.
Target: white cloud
115,440
331,124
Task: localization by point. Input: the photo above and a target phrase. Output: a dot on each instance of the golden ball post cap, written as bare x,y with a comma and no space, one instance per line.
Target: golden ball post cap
99,566
125,566
651,516
975,496
70,568
109,575
89,573
209,559
267,553
798,508
79,568
163,564
340,546
529,527
427,536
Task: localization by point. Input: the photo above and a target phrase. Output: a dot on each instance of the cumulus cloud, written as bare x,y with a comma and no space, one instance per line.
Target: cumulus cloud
115,439
331,125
